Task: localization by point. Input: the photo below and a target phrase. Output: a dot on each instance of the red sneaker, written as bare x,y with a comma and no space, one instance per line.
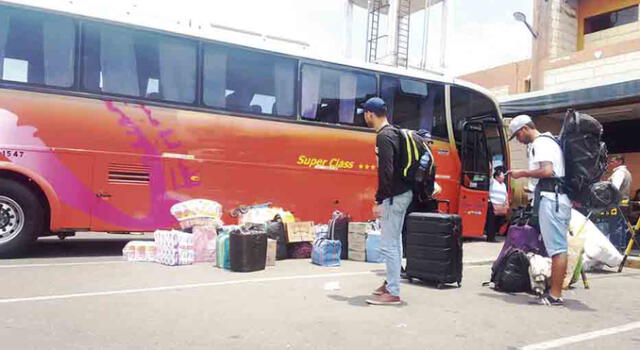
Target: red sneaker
384,299
381,290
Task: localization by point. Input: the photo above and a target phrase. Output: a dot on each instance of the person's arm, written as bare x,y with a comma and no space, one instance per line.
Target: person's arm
385,167
545,170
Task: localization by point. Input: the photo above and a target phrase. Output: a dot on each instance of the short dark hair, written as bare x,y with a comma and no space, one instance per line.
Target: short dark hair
379,113
618,158
498,172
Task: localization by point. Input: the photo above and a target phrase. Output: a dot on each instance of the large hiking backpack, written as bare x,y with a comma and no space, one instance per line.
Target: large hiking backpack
413,145
584,153
511,273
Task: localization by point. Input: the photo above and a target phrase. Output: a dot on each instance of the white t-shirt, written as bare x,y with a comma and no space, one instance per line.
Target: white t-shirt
544,149
498,192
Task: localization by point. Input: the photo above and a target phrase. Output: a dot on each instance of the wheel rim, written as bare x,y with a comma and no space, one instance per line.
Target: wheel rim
11,219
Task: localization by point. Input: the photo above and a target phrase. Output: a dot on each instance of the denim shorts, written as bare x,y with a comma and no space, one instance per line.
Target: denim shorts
554,225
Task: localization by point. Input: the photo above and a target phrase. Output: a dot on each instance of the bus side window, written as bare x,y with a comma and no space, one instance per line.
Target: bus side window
139,64
335,96
246,81
415,104
36,49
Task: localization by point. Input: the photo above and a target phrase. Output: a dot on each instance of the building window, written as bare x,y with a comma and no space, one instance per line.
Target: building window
335,96
36,49
247,81
138,64
415,104
611,19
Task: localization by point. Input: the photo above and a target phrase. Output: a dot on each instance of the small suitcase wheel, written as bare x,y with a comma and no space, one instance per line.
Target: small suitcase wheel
439,285
410,280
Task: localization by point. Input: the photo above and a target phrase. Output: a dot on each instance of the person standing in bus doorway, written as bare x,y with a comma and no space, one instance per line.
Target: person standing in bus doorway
392,199
498,204
546,165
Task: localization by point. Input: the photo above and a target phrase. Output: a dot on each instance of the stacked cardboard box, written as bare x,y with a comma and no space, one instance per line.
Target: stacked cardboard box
300,232
358,240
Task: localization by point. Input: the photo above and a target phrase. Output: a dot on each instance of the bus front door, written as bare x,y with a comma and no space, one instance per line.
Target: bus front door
474,192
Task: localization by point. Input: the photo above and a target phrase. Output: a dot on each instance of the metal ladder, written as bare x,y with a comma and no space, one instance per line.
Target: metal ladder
402,42
373,28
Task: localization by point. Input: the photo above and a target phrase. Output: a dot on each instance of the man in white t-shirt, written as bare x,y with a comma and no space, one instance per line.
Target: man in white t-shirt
546,162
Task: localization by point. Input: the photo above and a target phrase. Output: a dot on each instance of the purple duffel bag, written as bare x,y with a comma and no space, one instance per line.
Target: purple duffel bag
525,238
299,250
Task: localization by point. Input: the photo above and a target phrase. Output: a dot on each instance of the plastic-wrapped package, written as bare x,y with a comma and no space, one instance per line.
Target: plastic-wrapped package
596,245
140,251
204,243
197,212
262,214
174,247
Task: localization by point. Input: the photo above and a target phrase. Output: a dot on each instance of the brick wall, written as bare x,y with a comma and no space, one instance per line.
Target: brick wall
605,70
613,35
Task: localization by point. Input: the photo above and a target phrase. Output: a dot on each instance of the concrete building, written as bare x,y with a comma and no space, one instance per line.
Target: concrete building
586,56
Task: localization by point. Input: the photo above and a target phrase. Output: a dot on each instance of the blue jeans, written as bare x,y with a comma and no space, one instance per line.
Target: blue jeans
614,226
392,221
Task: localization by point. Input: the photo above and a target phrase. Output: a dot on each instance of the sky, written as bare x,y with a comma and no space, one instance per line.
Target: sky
483,33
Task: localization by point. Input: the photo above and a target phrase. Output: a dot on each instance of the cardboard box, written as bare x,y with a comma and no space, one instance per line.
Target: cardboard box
357,255
271,252
300,232
359,228
357,242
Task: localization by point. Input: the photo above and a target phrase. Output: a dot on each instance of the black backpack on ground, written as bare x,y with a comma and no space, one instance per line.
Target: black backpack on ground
413,145
511,273
584,153
603,195
275,230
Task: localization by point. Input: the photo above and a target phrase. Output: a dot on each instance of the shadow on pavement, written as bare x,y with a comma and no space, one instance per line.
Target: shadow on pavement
360,300
51,247
525,299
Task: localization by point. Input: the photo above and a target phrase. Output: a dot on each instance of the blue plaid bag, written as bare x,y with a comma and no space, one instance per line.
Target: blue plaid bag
326,250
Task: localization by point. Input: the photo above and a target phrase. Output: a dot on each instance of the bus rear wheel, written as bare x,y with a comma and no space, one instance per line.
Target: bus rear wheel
21,218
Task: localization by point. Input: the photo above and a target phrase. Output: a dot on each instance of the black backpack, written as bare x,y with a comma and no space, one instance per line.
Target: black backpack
413,145
584,153
511,273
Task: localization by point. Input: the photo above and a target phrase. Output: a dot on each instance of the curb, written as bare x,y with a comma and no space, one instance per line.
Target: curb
632,262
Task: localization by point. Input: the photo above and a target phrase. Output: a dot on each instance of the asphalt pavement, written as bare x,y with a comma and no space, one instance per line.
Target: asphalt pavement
79,294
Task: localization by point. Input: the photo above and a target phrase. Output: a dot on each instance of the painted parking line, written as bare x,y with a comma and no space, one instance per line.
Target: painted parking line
17,266
556,343
187,286
182,286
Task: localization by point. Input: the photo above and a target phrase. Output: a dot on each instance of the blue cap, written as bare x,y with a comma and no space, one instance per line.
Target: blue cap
375,105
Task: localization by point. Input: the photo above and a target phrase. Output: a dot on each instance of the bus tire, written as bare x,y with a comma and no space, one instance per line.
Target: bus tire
21,218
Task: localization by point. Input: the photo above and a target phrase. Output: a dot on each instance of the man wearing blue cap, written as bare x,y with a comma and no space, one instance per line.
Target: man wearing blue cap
392,199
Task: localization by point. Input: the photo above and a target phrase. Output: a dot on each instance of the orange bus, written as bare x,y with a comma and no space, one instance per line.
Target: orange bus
105,125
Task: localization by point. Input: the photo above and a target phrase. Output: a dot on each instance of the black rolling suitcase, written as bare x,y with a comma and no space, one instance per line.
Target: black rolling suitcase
434,248
339,229
247,251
